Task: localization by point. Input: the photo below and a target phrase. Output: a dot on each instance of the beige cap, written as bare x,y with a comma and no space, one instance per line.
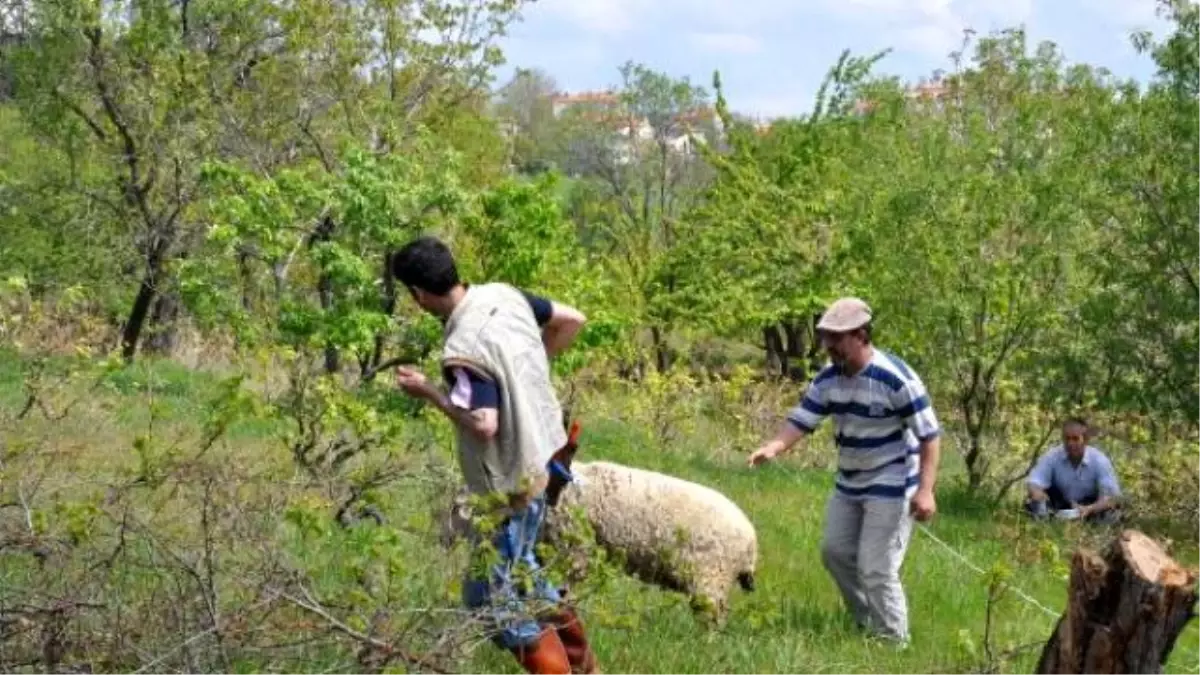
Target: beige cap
845,314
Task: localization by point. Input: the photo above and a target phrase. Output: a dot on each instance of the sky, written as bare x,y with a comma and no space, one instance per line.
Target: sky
773,54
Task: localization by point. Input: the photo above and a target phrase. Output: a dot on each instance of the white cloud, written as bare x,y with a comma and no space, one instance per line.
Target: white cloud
730,43
770,106
766,49
602,16
931,27
1130,14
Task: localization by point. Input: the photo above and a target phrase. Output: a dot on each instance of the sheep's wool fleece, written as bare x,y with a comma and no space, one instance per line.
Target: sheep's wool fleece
643,512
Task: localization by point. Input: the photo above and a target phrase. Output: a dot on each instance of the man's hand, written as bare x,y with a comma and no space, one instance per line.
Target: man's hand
784,439
923,505
764,454
414,383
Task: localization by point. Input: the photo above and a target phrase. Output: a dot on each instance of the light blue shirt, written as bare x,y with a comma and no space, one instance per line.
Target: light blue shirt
1094,476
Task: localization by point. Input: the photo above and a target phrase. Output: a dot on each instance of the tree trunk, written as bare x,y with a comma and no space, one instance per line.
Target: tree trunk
325,294
1124,610
388,301
164,324
816,352
776,355
795,351
662,355
137,316
322,234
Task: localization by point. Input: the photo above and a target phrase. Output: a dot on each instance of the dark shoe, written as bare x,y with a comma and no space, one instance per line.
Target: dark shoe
574,639
545,655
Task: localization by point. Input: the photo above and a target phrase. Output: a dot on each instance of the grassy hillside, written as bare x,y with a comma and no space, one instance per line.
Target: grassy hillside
792,622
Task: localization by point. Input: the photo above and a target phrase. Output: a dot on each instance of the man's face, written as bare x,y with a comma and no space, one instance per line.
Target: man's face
838,346
1074,440
422,299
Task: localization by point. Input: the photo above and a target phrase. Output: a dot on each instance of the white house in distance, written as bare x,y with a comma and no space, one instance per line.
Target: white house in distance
628,132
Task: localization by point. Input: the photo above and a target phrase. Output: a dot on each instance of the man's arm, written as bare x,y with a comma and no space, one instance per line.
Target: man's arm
471,404
916,412
784,440
801,420
931,456
564,325
1039,478
1110,490
560,323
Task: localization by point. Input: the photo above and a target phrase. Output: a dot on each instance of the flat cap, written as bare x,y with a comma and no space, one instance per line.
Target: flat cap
845,314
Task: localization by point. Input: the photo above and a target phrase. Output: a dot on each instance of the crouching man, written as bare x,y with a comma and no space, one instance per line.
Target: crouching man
1074,479
498,341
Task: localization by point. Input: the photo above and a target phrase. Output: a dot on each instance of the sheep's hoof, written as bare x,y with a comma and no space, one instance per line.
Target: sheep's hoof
707,610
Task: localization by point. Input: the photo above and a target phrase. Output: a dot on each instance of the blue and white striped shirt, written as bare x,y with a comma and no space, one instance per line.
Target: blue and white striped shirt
880,415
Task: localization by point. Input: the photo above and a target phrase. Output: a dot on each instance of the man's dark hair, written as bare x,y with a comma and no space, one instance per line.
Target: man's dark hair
1076,422
866,328
425,263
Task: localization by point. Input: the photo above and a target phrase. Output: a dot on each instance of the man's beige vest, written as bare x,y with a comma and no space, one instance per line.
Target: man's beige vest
493,332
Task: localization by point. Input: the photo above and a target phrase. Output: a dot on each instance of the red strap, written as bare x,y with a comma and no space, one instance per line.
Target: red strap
573,435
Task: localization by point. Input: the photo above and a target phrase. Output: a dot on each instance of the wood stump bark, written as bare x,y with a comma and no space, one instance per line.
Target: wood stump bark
1125,610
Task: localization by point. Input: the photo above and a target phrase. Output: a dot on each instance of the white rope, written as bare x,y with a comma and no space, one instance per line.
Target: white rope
1187,653
1024,596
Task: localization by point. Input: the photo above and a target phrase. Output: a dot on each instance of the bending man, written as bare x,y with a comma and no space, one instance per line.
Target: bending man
498,341
887,437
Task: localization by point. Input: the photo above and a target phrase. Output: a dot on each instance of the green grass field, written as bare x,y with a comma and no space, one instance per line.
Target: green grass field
792,622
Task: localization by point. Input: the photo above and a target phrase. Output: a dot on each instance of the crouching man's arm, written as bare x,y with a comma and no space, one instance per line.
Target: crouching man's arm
1110,491
1040,478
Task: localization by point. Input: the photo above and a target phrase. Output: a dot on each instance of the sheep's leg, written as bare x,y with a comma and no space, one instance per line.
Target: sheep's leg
711,598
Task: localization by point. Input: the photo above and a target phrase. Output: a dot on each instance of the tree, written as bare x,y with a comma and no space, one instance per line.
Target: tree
979,234
637,154
526,105
763,251
1143,317
149,90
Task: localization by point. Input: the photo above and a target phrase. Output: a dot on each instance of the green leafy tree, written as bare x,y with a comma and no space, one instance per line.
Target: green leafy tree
764,251
638,157
980,237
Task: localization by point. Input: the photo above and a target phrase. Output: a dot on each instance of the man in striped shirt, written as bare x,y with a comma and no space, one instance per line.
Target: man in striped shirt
887,437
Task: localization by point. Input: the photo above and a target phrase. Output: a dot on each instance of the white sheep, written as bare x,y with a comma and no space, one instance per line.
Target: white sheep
677,534
670,532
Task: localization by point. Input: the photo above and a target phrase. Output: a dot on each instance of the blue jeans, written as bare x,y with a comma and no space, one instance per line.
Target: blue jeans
514,580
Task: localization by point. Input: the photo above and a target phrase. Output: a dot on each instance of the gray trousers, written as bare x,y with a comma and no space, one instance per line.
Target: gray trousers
863,549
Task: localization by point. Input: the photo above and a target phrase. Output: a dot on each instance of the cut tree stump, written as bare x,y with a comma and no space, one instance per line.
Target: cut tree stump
1124,611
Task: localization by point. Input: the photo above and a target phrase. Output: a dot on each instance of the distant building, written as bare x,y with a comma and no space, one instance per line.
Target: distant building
681,133
923,93
599,99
